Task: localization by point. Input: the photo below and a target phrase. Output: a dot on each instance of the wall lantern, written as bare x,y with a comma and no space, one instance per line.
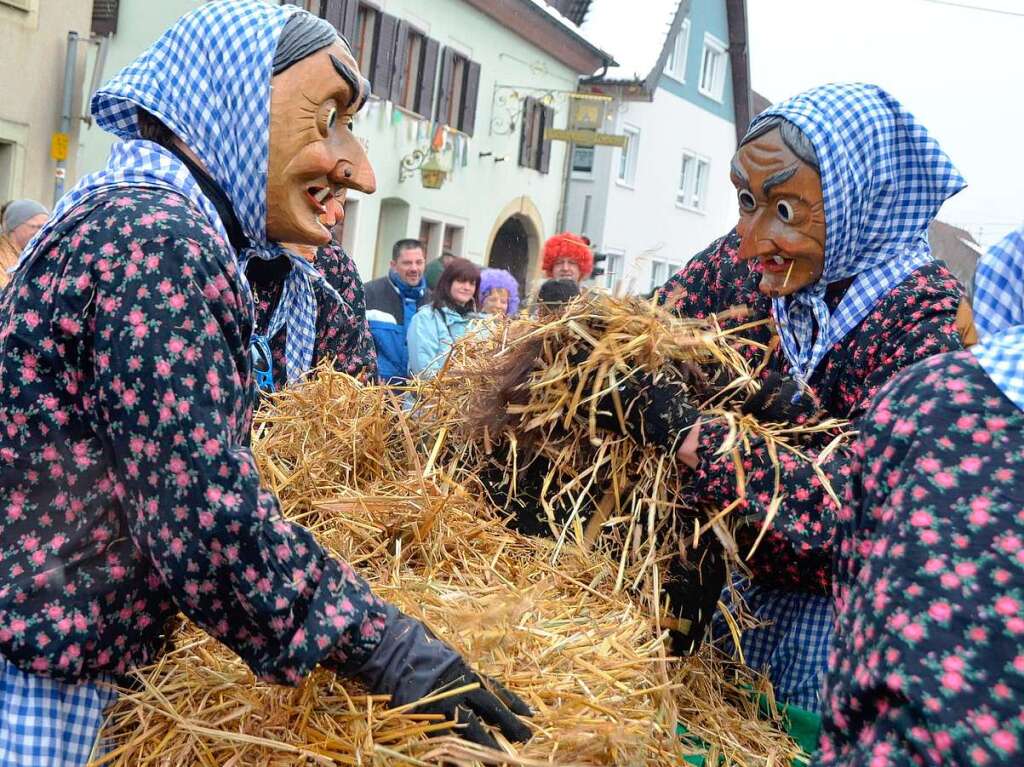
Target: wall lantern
432,165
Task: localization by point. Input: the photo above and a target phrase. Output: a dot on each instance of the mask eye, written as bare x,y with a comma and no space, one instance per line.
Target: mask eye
328,119
786,212
747,201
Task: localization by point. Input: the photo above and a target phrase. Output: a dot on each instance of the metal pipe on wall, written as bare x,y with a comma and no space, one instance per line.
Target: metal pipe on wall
60,141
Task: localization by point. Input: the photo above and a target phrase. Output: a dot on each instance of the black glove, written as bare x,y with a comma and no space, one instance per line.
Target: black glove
654,413
693,589
781,400
410,663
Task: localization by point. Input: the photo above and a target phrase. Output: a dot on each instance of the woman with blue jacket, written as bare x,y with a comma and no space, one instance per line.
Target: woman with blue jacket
438,325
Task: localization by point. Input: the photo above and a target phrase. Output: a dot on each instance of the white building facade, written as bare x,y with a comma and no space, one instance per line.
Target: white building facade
466,85
663,198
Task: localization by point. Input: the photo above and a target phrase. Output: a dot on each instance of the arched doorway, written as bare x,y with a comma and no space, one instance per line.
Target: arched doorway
511,250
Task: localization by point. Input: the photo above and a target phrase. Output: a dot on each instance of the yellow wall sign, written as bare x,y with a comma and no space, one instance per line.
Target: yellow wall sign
584,137
59,146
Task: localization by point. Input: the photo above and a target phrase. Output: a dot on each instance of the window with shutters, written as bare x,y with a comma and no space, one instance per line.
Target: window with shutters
104,16
367,23
458,91
534,151
409,77
342,14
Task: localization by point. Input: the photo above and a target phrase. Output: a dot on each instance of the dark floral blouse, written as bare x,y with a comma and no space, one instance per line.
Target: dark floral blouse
927,660
915,320
128,489
342,334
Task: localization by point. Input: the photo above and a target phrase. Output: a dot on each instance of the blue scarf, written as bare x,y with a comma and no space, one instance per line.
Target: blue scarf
999,315
410,294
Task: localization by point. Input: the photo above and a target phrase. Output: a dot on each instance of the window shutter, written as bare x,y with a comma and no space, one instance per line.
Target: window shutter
547,121
342,15
444,97
526,152
104,17
428,78
384,55
467,122
401,59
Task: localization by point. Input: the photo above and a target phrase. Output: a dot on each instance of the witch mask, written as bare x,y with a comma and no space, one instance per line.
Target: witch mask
314,157
782,214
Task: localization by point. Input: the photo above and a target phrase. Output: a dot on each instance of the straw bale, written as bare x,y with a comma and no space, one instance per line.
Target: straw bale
385,493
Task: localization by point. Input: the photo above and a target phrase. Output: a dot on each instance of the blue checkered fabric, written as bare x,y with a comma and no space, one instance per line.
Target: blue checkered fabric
883,180
792,647
208,79
999,315
999,286
46,723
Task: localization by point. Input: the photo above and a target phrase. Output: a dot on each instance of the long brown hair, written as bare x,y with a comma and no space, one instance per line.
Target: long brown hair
460,269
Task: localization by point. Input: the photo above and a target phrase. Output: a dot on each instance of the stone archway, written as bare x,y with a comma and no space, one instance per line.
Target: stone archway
515,242
511,250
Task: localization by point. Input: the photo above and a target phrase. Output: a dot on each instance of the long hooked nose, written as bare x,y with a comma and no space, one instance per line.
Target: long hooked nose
355,171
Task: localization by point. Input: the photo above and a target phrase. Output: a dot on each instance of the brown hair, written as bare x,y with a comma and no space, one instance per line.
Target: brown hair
460,269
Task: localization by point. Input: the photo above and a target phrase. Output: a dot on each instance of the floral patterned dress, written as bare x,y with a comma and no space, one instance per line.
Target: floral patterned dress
342,334
914,321
927,659
128,488
791,585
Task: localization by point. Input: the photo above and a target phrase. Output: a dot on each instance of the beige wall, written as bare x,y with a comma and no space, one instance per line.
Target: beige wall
33,35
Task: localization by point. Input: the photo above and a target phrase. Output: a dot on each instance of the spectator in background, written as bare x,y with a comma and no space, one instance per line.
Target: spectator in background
21,219
553,296
438,325
391,303
567,256
499,292
436,267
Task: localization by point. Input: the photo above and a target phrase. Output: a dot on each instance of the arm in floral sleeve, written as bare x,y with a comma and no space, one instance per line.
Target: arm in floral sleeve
352,349
696,289
913,322
174,398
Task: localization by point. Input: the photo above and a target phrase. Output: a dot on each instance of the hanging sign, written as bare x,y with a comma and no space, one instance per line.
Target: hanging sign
584,137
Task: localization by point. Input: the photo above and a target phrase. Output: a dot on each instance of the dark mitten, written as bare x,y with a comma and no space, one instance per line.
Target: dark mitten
410,663
693,588
653,413
781,400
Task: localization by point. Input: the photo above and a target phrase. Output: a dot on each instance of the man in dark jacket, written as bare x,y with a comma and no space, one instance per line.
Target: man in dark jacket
391,302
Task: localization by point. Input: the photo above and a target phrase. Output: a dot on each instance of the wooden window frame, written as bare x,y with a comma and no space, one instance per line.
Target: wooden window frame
458,91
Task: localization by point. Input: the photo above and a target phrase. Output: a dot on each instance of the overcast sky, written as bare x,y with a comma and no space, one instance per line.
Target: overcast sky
960,71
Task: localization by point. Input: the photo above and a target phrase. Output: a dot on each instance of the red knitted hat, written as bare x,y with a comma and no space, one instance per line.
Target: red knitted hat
568,245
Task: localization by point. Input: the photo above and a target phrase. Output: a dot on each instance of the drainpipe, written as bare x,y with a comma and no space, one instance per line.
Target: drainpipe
62,139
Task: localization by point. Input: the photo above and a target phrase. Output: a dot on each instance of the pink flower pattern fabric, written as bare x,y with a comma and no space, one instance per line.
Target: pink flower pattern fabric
128,489
927,658
913,321
342,334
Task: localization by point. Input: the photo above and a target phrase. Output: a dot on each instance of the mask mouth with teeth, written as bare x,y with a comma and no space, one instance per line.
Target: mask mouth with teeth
314,157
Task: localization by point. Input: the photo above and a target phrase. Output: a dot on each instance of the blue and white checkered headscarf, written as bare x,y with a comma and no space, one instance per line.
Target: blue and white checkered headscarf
883,180
208,80
999,286
999,315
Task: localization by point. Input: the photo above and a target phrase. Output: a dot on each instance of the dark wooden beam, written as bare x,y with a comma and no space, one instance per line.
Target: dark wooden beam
536,25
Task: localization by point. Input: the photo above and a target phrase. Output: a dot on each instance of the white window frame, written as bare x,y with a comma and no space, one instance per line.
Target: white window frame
657,280
692,193
675,67
613,267
716,88
582,174
625,175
